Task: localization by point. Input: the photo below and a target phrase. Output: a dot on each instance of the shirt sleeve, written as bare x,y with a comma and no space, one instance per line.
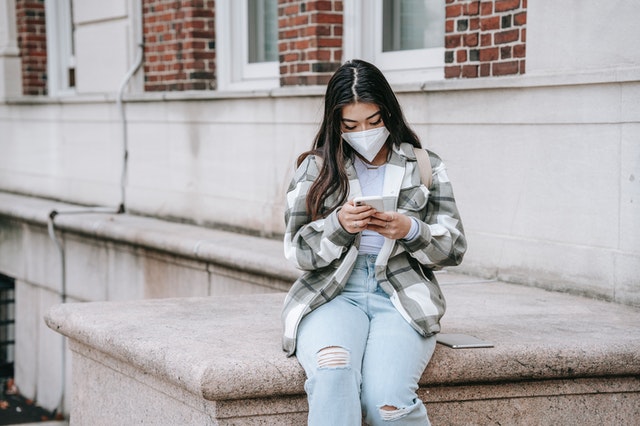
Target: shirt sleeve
413,231
440,240
311,244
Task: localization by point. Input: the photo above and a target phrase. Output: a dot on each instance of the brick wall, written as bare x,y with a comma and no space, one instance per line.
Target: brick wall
482,38
32,42
179,52
309,40
485,38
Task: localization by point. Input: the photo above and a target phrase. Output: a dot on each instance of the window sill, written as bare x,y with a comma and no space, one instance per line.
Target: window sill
604,76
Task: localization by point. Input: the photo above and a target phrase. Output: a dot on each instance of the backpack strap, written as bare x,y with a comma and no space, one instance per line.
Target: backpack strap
424,164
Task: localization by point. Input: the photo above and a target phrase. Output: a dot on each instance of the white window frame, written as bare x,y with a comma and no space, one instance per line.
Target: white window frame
234,72
60,56
362,40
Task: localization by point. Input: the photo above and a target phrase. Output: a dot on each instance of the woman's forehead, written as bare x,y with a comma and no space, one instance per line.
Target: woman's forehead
359,111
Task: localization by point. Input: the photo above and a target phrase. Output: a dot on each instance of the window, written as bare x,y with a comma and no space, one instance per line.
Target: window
60,47
404,38
263,31
247,44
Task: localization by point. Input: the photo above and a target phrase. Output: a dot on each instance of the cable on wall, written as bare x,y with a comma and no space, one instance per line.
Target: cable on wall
123,183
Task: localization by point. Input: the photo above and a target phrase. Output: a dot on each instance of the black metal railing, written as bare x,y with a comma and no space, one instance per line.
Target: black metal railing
7,325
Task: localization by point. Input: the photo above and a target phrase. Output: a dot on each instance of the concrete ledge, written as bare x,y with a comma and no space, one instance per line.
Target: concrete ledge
219,359
260,256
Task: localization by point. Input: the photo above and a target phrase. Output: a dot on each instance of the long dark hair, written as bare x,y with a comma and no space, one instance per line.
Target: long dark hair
355,81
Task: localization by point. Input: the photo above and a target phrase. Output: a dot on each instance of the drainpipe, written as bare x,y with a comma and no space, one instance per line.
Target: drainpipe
123,182
120,104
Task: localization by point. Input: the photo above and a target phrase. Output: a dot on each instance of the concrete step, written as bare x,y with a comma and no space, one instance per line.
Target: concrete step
557,359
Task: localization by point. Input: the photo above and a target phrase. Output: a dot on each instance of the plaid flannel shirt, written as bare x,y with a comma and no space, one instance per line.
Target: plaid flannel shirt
326,252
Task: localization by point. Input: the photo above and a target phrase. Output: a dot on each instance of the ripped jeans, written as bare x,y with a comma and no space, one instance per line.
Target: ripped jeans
362,357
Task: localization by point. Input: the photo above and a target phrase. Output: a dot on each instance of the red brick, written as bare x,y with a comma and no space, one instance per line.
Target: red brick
505,5
486,8
31,30
519,51
319,5
449,25
473,8
505,68
506,36
183,40
452,41
469,71
485,70
453,10
320,30
452,71
291,9
327,18
490,54
461,56
486,40
491,23
329,42
471,40
520,18
301,44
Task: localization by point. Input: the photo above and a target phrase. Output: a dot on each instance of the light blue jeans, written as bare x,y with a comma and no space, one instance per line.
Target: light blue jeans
360,355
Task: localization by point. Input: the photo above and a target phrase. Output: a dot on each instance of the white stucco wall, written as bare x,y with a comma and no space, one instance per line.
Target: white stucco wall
545,165
545,176
574,36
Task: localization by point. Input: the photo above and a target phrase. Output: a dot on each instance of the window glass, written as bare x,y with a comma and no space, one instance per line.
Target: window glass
412,24
247,44
263,30
60,46
404,38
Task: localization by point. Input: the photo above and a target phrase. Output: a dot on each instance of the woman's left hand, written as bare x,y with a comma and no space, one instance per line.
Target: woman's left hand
392,225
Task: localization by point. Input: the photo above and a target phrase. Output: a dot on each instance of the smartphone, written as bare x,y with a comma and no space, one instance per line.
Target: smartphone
462,341
374,201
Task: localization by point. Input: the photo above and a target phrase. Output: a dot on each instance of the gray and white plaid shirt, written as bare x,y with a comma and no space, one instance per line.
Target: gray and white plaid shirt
326,252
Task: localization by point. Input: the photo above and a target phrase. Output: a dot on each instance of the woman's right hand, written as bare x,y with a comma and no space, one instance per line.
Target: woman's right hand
354,218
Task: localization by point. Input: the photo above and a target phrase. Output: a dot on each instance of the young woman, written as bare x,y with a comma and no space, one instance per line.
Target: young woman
362,318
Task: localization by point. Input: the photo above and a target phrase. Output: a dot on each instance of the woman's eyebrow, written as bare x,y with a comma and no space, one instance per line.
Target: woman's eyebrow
368,118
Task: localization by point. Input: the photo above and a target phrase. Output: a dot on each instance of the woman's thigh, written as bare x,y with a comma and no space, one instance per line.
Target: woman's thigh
339,324
395,358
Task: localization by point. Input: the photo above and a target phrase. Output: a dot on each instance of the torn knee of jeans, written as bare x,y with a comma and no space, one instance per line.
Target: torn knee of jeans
334,357
391,413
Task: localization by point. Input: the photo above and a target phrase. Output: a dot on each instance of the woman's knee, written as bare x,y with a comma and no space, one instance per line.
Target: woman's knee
333,357
333,370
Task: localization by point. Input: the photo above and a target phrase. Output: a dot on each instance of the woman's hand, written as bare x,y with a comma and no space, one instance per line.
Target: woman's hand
392,225
355,218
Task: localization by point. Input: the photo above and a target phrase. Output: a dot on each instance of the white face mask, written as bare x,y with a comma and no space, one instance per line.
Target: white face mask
368,142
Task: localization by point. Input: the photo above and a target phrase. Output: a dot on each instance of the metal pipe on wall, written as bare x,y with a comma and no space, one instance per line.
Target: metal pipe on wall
137,24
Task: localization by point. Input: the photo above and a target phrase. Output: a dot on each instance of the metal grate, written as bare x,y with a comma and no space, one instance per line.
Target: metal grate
7,325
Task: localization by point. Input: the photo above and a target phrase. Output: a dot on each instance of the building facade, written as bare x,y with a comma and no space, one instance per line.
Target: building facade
194,111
